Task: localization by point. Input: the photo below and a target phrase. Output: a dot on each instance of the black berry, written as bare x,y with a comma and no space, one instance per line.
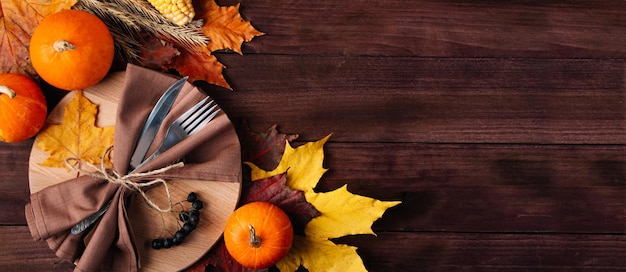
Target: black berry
167,243
194,218
197,205
187,228
192,197
157,243
179,237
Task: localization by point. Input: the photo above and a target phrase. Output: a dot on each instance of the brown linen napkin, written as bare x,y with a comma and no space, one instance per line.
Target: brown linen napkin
212,154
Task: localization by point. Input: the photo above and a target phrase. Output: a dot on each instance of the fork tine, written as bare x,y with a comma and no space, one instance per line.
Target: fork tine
205,113
205,119
192,110
197,114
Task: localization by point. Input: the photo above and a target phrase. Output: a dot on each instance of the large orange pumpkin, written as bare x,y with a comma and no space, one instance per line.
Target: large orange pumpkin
23,108
258,234
72,49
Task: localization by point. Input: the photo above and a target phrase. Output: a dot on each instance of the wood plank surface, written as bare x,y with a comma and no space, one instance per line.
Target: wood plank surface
14,181
18,252
490,252
487,188
437,251
402,99
500,125
537,29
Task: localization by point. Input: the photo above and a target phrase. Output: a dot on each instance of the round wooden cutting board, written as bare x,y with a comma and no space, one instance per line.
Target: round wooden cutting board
220,198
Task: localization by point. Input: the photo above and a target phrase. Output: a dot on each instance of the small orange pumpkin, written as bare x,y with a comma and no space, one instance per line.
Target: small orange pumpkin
23,108
72,49
258,234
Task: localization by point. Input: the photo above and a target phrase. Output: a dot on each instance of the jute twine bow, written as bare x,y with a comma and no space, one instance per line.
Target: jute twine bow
127,180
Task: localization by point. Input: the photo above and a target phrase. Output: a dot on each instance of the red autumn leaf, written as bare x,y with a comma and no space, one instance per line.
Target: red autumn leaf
275,190
219,258
157,54
264,149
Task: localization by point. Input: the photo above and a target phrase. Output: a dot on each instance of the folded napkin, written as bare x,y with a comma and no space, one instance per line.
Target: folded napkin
212,154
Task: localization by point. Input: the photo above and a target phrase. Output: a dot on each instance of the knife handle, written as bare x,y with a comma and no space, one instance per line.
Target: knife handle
87,222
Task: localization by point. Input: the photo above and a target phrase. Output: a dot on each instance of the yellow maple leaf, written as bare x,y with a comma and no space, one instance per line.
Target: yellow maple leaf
342,213
77,136
224,26
302,164
320,255
18,19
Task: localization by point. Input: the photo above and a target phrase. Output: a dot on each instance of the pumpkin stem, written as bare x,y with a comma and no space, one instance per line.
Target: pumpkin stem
254,240
63,45
6,90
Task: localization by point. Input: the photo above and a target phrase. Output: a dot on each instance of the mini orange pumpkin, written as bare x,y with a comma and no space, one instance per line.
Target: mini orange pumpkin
72,49
23,108
258,234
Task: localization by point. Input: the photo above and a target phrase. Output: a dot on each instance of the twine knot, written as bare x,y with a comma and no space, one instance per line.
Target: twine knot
146,179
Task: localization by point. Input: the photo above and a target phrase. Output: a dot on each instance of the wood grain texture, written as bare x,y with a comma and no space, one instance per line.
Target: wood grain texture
539,29
403,99
18,252
487,188
412,251
14,181
490,252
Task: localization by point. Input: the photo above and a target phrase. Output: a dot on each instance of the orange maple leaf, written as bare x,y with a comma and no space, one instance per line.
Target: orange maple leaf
77,136
226,30
224,26
18,19
201,65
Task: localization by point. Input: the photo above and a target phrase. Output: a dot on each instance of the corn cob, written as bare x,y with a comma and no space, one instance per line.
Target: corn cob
179,12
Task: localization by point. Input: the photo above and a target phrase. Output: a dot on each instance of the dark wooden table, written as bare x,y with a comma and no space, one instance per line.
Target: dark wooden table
500,125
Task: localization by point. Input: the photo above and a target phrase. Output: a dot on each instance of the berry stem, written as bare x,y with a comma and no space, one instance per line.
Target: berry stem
8,91
63,45
254,240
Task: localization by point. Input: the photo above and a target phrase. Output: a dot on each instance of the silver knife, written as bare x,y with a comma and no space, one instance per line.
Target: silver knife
150,128
154,121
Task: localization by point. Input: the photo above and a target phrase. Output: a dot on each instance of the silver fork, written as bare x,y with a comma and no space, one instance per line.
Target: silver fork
190,122
186,125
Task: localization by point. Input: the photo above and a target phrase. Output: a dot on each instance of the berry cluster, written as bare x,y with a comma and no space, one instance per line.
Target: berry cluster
190,219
